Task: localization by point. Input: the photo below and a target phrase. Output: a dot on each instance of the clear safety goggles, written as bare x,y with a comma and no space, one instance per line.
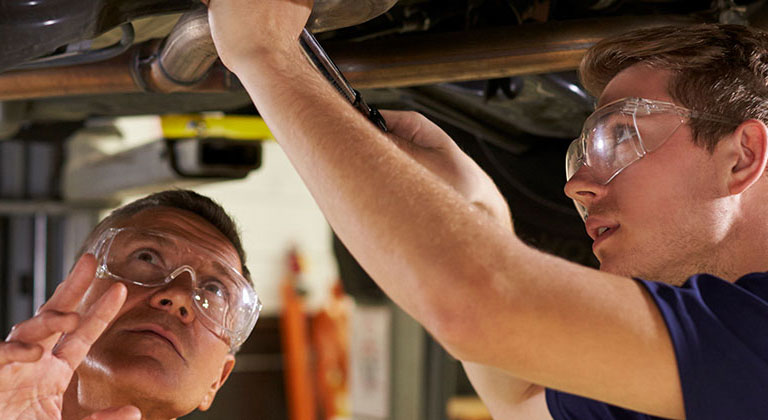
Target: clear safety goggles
620,133
223,298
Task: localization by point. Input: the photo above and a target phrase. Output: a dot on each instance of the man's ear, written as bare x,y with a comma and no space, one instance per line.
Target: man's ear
749,151
226,369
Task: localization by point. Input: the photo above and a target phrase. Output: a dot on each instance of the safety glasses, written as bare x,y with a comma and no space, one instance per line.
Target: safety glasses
622,132
222,297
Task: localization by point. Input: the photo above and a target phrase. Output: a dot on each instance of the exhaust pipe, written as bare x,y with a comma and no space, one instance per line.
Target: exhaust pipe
481,54
184,58
186,61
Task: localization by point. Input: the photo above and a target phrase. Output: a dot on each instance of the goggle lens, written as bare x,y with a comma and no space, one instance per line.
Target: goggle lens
609,143
223,297
619,134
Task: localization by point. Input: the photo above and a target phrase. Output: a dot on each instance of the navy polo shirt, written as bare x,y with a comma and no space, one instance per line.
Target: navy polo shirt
720,334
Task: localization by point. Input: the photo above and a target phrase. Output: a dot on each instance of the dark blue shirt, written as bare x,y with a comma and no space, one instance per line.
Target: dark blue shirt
720,334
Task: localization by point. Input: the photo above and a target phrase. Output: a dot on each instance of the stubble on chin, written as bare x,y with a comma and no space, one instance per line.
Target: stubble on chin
670,271
631,266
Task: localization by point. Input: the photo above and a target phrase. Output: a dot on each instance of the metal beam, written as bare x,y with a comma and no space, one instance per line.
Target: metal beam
39,263
31,207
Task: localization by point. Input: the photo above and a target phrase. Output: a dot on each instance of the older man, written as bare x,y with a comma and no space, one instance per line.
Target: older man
668,175
165,300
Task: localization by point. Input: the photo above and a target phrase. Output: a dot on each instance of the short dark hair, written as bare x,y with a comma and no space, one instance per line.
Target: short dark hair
187,200
717,69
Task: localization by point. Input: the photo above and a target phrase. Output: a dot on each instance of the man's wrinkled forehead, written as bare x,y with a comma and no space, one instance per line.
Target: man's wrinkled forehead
187,226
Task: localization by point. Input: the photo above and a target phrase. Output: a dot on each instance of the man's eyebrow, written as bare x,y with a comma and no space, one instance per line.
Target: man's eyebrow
612,121
620,124
151,238
221,269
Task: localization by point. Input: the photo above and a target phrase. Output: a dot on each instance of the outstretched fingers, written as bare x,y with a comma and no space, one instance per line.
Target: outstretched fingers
57,315
69,293
74,346
43,328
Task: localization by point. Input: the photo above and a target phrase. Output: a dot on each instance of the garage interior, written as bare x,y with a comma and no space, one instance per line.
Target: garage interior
88,122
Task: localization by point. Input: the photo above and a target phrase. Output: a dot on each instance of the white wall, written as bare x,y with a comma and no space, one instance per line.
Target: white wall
275,211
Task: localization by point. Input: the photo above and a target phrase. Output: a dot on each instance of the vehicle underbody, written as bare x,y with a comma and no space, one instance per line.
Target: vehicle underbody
498,75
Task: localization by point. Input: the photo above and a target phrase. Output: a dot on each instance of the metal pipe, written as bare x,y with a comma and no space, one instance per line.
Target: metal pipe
186,55
111,76
39,280
118,75
481,54
183,62
52,208
408,61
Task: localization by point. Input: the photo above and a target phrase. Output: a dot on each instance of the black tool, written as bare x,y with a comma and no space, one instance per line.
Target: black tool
328,68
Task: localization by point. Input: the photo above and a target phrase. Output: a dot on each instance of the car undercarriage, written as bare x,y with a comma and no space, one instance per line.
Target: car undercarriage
498,75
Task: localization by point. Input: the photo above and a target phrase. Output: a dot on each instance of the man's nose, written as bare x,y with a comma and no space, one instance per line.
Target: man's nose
583,188
176,298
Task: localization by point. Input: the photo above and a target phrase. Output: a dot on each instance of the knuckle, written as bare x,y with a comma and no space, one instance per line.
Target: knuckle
416,115
49,315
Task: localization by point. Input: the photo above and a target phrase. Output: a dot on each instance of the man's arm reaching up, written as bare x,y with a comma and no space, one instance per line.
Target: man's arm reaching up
486,296
505,396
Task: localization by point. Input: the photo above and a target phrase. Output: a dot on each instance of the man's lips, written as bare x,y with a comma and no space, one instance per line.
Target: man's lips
600,229
602,237
158,330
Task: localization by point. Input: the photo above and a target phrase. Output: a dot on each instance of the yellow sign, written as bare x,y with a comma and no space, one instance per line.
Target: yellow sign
236,127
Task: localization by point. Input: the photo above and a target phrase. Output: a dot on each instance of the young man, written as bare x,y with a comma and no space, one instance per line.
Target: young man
165,300
669,176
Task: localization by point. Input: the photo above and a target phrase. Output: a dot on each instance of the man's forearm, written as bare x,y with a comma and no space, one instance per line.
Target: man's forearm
416,236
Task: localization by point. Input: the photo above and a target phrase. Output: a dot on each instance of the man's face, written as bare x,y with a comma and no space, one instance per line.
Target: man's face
663,211
156,351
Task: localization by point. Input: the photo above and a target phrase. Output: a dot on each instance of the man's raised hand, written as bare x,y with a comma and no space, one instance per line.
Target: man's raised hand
40,355
429,145
246,30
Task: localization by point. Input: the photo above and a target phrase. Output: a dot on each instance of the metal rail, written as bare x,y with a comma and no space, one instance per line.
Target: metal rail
36,207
